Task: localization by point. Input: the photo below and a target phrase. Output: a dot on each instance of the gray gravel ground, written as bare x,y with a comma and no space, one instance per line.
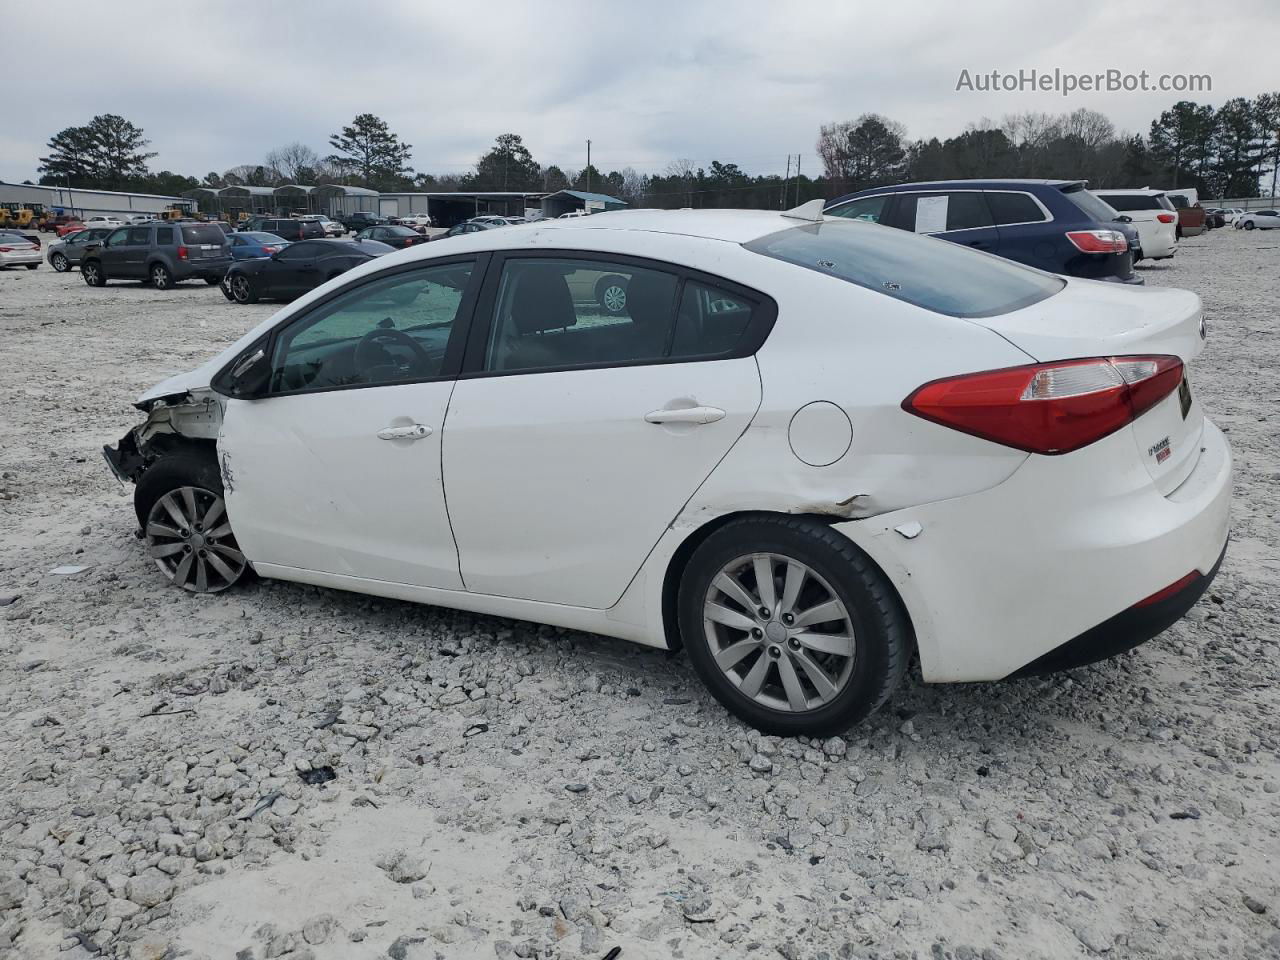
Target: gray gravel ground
504,789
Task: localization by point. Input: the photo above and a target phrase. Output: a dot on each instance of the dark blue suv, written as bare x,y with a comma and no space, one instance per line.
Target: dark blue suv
1055,225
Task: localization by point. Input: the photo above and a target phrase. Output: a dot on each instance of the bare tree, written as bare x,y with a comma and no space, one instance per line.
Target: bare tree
295,162
1031,130
1093,128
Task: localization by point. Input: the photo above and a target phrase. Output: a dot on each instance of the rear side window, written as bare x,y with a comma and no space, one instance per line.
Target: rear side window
1124,202
202,233
164,236
936,275
1095,208
1008,208
710,321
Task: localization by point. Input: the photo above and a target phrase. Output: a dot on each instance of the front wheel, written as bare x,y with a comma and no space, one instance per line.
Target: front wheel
179,502
92,274
792,628
60,263
1249,225
242,289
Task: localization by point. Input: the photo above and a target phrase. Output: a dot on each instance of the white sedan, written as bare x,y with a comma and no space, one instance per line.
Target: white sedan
18,251
806,451
1258,220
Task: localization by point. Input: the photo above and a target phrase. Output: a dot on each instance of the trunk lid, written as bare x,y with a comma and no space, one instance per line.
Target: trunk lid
1096,319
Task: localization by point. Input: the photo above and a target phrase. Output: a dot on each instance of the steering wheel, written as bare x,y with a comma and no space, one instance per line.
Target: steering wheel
380,338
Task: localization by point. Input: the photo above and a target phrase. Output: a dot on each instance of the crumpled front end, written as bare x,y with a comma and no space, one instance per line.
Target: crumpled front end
173,419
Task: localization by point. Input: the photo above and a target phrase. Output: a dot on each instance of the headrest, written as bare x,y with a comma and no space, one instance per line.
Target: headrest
541,300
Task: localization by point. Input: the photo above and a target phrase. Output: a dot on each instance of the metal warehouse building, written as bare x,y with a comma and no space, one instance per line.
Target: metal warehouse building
88,203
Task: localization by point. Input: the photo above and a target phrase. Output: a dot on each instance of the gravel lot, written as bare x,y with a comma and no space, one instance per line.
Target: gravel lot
504,789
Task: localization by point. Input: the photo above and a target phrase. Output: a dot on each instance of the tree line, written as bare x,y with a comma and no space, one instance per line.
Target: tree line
1230,151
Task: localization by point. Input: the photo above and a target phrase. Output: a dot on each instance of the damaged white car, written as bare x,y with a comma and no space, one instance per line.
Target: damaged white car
805,450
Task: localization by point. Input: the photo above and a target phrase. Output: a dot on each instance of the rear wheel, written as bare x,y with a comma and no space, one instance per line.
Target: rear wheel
160,276
791,626
60,263
91,272
611,294
179,502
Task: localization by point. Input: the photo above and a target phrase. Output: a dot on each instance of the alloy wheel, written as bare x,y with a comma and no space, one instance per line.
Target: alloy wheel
779,632
190,539
90,274
60,263
160,278
615,298
240,289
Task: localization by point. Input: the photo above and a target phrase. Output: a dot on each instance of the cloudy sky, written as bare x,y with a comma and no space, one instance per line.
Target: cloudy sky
216,85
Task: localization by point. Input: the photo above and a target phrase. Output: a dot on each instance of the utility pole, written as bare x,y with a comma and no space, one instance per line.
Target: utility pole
588,166
797,180
782,202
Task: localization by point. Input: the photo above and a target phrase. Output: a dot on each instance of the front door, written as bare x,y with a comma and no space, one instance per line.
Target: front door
115,253
580,428
338,469
295,270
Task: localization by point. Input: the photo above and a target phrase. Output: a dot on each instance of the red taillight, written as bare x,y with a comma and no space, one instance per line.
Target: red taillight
1049,408
182,253
1098,241
1169,591
6,249
1166,217
270,249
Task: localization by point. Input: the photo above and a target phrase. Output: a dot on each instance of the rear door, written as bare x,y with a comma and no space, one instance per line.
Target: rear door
576,434
1025,234
960,216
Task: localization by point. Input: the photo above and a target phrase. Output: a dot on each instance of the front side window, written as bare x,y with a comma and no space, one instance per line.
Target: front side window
557,313
393,330
870,209
118,238
298,251
936,275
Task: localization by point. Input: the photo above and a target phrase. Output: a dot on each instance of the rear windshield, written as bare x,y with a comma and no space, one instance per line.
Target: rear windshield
926,272
1132,201
203,233
1095,208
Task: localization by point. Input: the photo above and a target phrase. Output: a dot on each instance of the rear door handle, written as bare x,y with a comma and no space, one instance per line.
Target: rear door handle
415,431
685,415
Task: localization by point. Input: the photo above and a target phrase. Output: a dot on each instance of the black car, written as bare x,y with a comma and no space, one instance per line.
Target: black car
1055,225
158,252
392,236
284,227
458,229
296,269
361,219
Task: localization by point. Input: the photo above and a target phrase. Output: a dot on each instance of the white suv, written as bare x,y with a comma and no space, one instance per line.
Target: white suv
1153,215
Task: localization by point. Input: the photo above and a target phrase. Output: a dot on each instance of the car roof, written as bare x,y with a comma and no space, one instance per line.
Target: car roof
1134,191
732,226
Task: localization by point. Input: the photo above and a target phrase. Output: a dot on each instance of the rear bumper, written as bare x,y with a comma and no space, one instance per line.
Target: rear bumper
20,258
999,581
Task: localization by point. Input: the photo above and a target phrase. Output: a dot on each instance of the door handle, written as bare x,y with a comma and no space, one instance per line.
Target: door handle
685,415
415,431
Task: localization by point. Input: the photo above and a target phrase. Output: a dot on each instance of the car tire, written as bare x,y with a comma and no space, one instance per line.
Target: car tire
611,294
91,272
60,263
160,277
242,289
837,577
180,508
1249,225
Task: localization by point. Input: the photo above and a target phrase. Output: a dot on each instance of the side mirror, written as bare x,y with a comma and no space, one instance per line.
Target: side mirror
247,377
